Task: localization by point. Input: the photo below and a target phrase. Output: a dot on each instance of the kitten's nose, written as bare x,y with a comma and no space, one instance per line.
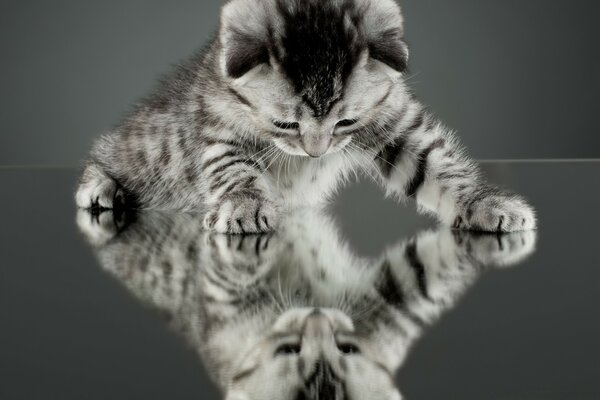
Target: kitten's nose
315,146
318,326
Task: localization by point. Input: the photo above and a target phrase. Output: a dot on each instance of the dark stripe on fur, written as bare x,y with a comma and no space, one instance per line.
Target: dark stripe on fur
387,158
385,97
240,98
244,374
388,288
165,154
417,123
421,171
234,162
224,179
323,383
418,268
216,159
415,319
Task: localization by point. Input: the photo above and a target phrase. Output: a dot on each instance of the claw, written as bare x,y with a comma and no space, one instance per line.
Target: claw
457,222
500,222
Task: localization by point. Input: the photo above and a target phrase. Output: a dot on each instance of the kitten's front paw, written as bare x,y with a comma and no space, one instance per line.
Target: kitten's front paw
99,194
494,211
242,213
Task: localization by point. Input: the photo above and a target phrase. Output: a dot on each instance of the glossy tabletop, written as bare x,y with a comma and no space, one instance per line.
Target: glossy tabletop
149,306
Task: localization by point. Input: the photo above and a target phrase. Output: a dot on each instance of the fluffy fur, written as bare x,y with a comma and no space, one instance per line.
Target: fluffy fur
289,100
296,314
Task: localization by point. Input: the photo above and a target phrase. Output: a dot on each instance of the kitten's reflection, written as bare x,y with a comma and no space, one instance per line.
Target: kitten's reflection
295,315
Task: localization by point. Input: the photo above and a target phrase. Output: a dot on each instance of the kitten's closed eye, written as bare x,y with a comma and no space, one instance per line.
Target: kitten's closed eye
288,349
346,123
345,127
287,125
348,348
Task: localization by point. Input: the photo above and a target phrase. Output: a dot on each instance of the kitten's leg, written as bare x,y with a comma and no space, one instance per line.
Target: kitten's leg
425,162
97,190
239,197
430,272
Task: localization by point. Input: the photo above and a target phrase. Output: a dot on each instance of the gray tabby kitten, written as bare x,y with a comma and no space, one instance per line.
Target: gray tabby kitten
295,315
289,100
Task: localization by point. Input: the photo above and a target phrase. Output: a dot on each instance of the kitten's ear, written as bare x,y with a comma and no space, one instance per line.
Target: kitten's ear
391,50
384,27
243,36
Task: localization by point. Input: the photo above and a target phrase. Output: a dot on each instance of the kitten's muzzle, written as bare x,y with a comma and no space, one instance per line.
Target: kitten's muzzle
318,326
316,145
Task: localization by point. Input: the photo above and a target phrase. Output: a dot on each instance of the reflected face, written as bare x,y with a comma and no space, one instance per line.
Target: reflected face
315,353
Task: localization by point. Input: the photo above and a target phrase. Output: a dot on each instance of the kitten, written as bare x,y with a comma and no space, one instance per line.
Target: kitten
291,99
295,314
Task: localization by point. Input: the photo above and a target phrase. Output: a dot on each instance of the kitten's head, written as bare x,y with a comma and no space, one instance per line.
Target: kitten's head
312,353
312,73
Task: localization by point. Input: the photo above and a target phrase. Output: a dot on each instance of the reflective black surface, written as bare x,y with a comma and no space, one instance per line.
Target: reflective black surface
87,311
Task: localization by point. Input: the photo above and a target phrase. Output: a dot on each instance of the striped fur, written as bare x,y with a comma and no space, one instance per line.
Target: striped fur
289,100
296,314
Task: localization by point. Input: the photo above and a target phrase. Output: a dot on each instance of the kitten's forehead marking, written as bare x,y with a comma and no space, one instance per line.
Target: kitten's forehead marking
322,46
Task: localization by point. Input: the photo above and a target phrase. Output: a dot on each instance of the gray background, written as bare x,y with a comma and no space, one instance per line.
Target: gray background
517,79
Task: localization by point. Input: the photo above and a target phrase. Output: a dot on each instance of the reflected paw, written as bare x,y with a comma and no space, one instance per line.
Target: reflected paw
242,249
99,227
243,258
494,211
497,250
242,213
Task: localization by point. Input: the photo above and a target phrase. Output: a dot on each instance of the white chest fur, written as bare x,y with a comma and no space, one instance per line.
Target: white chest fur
305,182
